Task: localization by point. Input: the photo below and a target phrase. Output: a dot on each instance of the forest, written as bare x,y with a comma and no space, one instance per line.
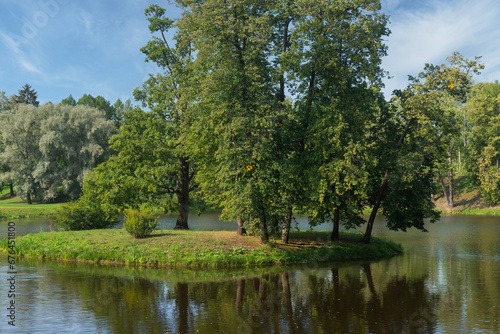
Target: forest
264,110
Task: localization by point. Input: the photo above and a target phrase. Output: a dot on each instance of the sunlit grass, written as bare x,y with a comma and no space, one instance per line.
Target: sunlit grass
206,249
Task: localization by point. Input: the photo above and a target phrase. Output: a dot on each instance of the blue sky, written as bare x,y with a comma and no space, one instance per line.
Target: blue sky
77,47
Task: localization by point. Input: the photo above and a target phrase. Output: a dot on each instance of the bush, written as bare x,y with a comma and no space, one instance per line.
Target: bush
82,215
140,223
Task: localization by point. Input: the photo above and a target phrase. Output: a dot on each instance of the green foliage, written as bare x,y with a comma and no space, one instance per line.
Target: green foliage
489,176
140,222
82,215
27,95
49,150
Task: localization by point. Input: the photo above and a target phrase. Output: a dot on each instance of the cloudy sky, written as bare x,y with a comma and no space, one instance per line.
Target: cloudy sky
63,47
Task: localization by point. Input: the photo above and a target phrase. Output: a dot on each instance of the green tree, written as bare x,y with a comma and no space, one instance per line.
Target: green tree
238,115
100,103
27,95
21,133
152,158
338,49
424,113
48,150
74,140
484,141
69,101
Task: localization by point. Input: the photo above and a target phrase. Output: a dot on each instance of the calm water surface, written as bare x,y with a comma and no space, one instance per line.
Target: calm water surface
447,281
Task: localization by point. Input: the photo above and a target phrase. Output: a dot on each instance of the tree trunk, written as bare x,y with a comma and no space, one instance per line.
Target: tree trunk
459,159
12,190
182,307
450,175
383,187
441,180
183,195
275,226
336,223
241,228
240,291
28,198
264,234
285,235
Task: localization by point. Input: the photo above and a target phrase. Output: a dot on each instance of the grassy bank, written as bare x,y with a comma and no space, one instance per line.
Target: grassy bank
13,208
206,249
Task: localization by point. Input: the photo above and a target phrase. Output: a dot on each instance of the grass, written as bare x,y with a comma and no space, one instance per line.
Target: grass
14,207
196,249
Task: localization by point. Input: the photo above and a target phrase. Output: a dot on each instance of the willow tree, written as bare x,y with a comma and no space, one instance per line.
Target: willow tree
50,149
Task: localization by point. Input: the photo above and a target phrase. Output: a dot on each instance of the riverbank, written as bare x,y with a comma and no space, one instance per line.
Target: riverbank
196,249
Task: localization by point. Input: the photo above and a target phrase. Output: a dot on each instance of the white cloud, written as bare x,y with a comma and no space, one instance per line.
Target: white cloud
30,67
431,33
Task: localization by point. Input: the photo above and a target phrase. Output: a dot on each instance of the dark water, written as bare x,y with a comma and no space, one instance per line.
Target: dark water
447,281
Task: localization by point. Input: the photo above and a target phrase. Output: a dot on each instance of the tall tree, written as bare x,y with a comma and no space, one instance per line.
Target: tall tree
49,149
21,132
27,95
69,101
100,103
422,112
238,114
338,47
484,140
152,158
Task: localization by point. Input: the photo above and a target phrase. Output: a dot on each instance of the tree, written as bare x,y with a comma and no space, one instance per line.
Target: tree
74,140
422,112
69,101
337,73
27,95
21,132
152,158
49,149
100,103
237,115
484,141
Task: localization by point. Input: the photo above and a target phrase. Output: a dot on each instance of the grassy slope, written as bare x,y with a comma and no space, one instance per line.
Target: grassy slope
205,249
467,201
14,207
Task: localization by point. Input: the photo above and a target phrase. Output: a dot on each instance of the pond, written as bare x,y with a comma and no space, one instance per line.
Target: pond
447,281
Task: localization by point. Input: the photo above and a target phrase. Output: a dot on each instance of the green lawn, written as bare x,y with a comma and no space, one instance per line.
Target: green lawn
14,207
201,249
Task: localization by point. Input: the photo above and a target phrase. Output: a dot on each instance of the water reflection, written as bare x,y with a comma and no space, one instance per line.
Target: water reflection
329,299
446,282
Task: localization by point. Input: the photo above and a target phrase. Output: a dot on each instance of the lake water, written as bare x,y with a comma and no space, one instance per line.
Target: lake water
447,281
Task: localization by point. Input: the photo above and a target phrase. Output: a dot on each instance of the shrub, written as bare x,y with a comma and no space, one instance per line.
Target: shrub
82,215
140,223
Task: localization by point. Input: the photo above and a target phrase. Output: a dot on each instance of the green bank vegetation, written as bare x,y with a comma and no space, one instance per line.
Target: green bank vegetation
197,249
274,112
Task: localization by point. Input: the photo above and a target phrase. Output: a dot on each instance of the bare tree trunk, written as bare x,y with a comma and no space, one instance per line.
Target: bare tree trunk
441,181
264,234
285,235
183,195
450,175
459,159
28,198
12,190
241,228
336,223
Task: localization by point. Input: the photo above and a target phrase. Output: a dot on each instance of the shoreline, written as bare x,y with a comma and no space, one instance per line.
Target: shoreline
196,249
